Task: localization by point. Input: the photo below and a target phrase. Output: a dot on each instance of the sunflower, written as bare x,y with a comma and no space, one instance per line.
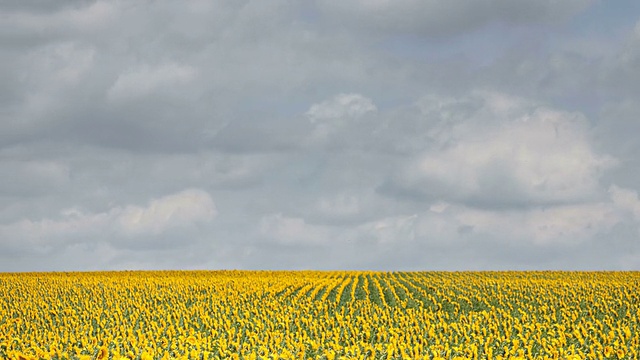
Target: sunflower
191,340
608,351
103,353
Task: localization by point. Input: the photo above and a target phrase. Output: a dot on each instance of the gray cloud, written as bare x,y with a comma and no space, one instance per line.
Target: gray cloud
433,19
381,135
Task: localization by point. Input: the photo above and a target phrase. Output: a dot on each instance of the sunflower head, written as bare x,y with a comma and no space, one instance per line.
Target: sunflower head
103,353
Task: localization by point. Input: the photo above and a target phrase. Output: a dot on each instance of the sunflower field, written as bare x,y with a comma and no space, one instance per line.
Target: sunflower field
319,315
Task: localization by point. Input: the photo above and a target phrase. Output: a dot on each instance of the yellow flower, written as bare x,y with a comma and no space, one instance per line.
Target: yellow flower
103,353
334,315
191,340
608,351
146,356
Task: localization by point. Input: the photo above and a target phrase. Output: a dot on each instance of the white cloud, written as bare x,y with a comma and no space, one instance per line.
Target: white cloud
562,225
558,225
447,226
341,107
292,230
146,79
380,233
179,210
337,113
507,152
393,230
462,235
626,200
339,206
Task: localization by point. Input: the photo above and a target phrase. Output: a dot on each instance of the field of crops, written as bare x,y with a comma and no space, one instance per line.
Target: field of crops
320,315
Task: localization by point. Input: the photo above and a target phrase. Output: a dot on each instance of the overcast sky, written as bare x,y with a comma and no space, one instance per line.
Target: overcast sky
351,134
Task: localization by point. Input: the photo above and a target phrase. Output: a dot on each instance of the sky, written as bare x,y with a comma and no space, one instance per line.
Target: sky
353,134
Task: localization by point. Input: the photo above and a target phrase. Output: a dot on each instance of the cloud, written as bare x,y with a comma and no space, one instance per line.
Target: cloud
506,153
338,115
621,68
158,75
146,80
389,231
434,19
32,177
177,210
40,87
36,20
292,230
119,226
352,134
341,206
553,226
453,236
341,108
626,199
